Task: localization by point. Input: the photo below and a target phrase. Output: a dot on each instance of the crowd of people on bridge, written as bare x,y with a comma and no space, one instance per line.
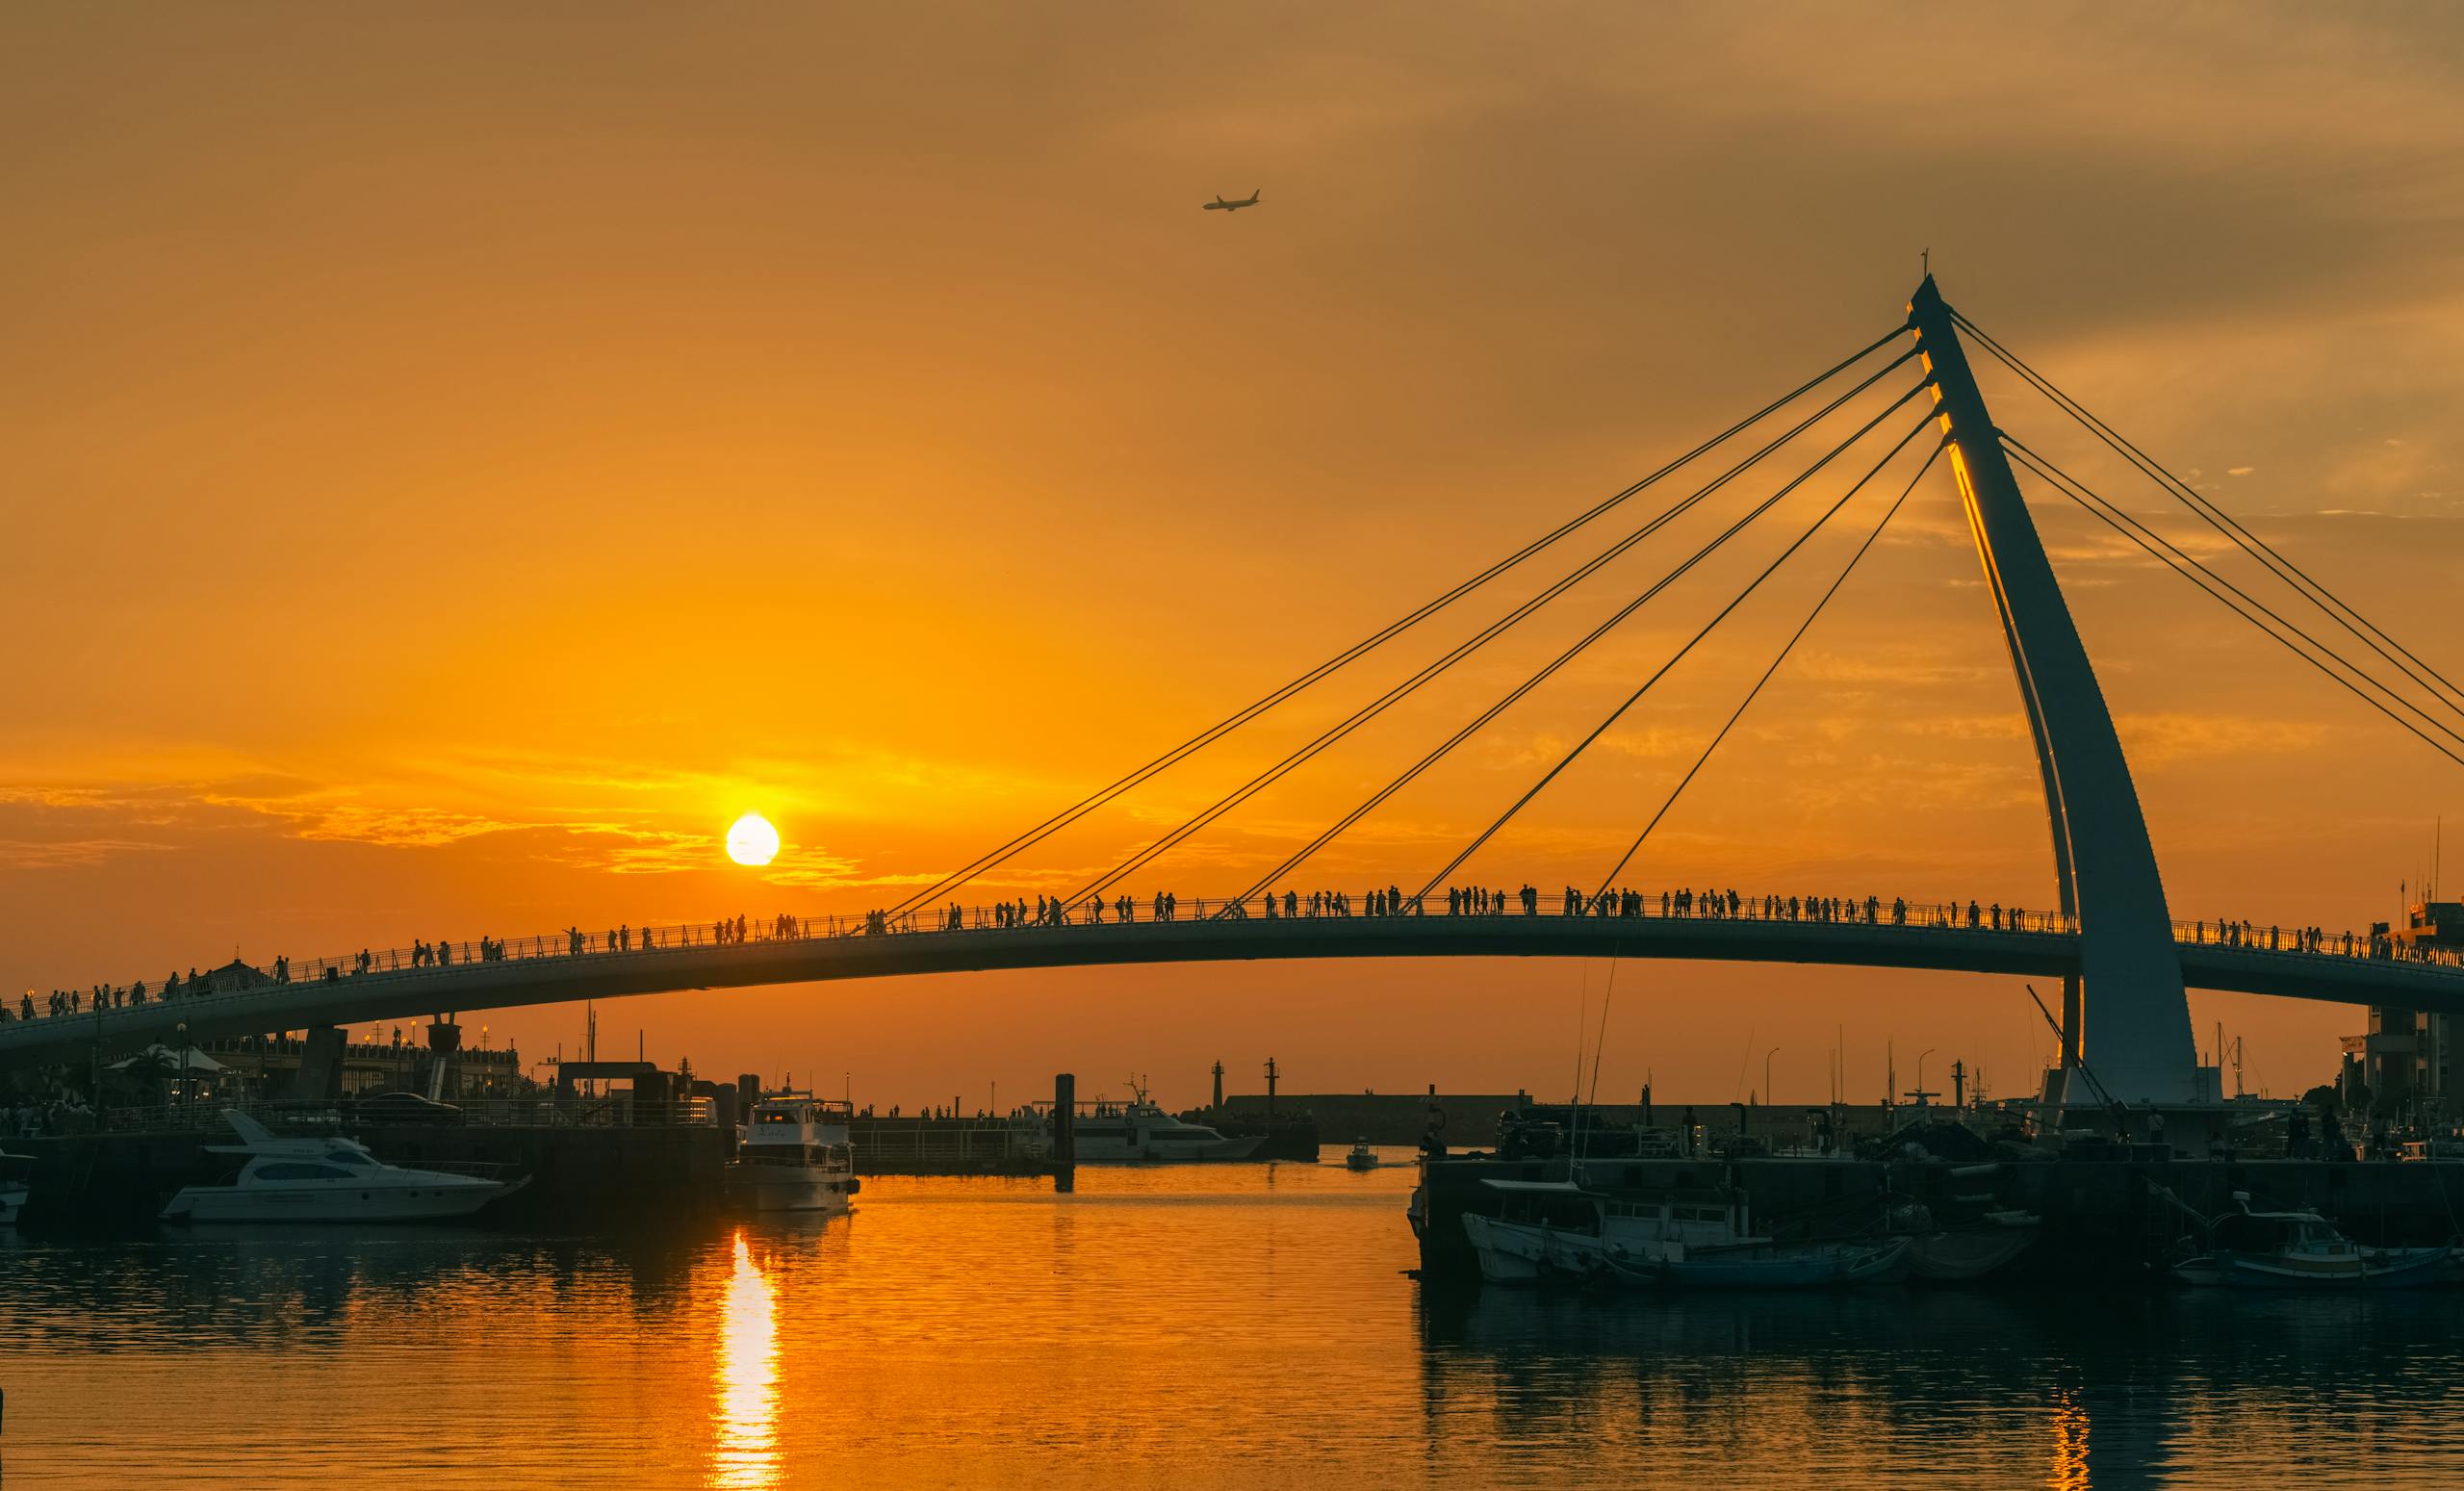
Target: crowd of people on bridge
1165,905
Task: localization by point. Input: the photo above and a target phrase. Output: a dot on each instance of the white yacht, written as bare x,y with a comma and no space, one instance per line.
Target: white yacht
1139,1130
327,1180
795,1157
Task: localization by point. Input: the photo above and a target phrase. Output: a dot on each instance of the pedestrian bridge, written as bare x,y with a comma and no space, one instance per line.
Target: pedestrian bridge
1904,403
574,965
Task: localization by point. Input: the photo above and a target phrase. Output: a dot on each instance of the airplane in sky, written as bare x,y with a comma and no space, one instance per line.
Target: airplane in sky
1221,205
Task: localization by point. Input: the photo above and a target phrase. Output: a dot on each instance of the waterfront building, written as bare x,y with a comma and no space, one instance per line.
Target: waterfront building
269,1065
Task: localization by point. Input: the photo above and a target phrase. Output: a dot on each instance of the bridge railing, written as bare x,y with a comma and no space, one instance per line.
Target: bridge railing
293,1118
442,961
2313,943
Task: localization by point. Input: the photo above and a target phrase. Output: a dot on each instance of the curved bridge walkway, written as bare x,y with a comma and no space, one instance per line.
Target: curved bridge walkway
409,982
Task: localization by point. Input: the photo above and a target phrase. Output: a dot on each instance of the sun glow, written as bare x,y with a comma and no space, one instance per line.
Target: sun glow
753,841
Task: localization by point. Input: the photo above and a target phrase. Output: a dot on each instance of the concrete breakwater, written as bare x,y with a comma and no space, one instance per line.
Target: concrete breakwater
2100,1219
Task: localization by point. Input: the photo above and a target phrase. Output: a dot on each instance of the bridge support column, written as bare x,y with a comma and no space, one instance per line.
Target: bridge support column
320,1077
2126,1017
444,1051
1064,1131
2070,1025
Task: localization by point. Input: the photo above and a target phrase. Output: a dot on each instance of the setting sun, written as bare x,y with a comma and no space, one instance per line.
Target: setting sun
752,840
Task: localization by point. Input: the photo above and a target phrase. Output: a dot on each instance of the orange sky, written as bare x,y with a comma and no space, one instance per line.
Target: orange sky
459,460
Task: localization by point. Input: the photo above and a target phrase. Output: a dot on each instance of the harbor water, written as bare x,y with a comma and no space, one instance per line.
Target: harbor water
1170,1326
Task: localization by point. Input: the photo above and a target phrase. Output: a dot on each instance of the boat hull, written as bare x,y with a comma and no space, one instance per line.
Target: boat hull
1945,1258
2413,1267
1809,1266
1121,1150
429,1198
791,1188
1514,1252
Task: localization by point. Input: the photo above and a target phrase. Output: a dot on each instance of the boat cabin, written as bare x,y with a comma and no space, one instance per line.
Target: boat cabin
798,1128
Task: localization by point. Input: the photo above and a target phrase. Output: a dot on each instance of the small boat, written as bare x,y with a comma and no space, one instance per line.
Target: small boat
795,1157
2254,1249
1360,1157
16,1172
1954,1255
328,1180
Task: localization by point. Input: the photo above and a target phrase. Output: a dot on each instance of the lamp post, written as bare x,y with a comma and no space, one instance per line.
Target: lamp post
1767,1097
1921,1073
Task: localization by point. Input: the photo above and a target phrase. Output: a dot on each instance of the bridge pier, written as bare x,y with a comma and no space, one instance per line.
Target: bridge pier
320,1077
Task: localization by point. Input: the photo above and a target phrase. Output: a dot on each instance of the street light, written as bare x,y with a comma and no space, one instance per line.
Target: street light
1921,1073
1767,1097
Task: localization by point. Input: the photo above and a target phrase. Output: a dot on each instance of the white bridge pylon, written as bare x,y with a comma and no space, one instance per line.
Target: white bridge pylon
2125,1014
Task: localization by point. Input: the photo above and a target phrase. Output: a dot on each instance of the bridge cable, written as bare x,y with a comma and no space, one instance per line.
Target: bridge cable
1153,850
2302,583
2064,482
1750,694
1327,837
2046,468
1635,698
1243,716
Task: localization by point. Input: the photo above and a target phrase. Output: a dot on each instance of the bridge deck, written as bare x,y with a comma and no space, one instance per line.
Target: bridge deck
537,973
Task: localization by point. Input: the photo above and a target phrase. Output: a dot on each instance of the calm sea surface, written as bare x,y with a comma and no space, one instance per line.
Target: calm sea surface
1192,1326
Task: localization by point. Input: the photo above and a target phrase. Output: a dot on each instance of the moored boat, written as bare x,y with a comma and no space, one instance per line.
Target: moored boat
1139,1130
1956,1255
1772,1266
319,1179
1558,1230
2256,1249
795,1156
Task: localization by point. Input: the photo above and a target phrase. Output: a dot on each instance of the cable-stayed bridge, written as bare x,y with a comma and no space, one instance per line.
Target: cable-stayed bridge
2123,961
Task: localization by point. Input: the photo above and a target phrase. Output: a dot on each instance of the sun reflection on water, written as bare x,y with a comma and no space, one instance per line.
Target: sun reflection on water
748,1377
2070,1445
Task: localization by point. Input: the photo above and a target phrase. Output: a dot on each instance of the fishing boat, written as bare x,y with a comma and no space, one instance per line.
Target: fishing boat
1360,1157
1698,1240
2256,1249
319,1179
795,1156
